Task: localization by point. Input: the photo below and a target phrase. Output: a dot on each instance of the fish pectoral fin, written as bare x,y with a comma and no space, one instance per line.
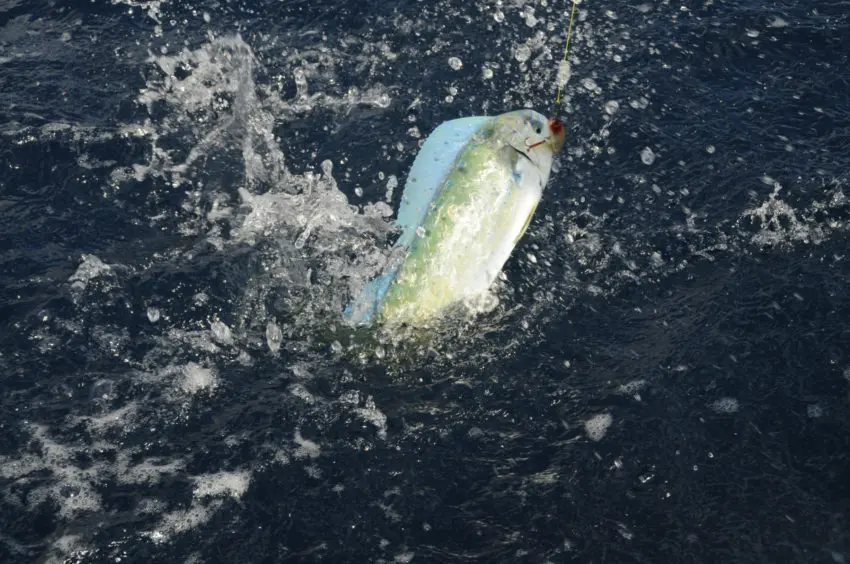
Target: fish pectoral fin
526,224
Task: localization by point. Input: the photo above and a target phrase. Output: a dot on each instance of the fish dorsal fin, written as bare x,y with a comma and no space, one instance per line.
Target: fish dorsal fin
429,169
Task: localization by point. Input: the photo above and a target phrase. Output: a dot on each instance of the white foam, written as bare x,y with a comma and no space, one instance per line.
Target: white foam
123,418
222,484
71,488
302,393
148,471
207,499
221,332
373,415
90,268
67,548
184,520
306,448
597,426
195,378
725,405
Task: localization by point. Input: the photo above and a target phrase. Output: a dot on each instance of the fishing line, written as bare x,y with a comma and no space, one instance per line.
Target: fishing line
566,51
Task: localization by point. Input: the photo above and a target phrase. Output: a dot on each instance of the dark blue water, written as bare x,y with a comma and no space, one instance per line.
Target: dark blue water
191,191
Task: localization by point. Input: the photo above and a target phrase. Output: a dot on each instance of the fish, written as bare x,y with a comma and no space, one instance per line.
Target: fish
468,199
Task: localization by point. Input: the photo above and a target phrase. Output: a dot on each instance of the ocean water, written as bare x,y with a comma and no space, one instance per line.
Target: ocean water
192,191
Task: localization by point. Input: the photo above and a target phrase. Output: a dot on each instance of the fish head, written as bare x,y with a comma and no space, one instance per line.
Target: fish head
533,136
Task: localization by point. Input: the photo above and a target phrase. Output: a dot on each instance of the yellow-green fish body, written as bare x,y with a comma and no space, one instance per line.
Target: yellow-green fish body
468,199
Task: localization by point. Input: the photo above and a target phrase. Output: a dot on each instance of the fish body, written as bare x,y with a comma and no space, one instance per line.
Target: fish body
468,199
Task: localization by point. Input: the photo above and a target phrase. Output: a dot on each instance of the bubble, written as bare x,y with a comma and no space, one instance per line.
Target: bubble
153,314
647,156
710,149
639,104
207,17
589,84
455,63
611,107
522,53
499,16
487,73
597,426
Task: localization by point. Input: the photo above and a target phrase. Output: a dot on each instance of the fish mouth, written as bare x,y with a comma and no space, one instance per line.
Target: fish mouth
557,133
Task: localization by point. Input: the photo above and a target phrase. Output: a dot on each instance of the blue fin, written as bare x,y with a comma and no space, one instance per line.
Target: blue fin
429,169
361,311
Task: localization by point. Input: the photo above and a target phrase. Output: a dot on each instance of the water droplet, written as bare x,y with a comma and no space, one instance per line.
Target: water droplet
522,53
221,332
589,84
392,183
564,72
710,149
647,156
455,63
153,314
487,73
611,107
499,16
274,336
639,104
